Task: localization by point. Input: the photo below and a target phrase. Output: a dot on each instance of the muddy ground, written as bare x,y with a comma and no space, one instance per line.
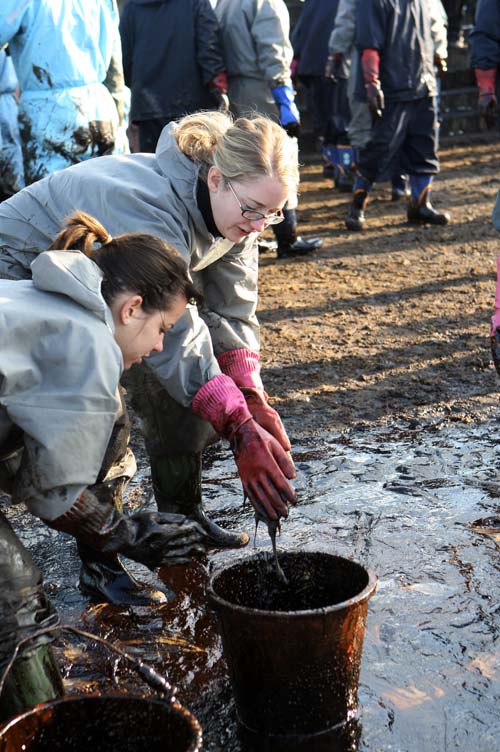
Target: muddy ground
391,322
375,350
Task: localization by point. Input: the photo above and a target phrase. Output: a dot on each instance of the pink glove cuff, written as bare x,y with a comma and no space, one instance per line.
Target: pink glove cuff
486,80
221,403
370,63
242,366
495,319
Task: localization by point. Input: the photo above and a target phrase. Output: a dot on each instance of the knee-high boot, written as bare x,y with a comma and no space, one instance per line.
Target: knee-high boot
103,577
177,488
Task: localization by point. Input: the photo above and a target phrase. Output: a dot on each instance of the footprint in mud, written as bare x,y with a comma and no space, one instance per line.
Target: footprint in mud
487,526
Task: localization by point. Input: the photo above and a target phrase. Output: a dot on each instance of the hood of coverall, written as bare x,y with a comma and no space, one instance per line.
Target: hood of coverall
72,274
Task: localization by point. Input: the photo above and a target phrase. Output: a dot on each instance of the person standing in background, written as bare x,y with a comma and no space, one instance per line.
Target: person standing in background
67,56
258,54
485,58
172,61
402,102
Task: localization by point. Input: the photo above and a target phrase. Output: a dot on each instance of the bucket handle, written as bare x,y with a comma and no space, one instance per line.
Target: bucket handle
153,679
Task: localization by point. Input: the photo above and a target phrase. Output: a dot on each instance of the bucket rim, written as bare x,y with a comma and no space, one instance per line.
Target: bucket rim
357,599
195,746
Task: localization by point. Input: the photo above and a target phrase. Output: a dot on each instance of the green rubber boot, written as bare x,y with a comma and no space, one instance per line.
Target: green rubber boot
177,489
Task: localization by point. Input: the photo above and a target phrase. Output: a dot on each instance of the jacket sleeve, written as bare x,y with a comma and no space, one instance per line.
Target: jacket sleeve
208,42
485,36
227,322
439,22
115,80
270,29
343,33
230,291
370,25
66,428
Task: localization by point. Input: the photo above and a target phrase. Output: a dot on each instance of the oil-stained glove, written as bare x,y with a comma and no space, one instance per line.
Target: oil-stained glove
370,63
151,538
284,96
440,64
258,403
333,66
263,465
488,105
218,89
244,368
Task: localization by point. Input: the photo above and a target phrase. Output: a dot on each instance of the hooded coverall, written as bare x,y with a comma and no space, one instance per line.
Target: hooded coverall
67,57
59,372
11,155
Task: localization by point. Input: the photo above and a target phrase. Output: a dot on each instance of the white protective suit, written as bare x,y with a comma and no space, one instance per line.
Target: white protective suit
67,56
59,372
154,194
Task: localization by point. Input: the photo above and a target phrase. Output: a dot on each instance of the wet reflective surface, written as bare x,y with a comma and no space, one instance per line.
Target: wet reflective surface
419,506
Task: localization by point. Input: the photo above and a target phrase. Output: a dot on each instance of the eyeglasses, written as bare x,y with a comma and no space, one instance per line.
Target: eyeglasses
255,216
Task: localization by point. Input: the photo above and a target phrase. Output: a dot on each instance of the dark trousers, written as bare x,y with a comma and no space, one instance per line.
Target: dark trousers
407,131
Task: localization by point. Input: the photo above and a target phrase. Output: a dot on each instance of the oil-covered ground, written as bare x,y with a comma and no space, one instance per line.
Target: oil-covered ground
376,352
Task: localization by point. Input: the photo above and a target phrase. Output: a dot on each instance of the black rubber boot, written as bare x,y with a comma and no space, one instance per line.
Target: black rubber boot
355,219
177,489
105,579
298,247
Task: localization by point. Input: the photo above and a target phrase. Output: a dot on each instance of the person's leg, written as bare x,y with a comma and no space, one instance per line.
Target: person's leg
104,577
24,610
376,158
175,438
420,157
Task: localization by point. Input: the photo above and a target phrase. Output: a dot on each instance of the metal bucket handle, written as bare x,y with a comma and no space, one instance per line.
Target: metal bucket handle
153,679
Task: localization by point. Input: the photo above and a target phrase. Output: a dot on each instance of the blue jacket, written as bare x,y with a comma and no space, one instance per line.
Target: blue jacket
171,52
11,155
401,32
62,51
485,36
311,34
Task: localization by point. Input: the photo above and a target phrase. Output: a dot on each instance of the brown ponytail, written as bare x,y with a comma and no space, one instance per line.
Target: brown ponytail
137,263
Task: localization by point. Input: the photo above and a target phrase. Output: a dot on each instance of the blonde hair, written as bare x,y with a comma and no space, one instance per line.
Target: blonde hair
243,149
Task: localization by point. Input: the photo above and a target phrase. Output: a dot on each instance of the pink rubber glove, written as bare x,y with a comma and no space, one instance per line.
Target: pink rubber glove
244,368
495,319
495,324
488,105
263,465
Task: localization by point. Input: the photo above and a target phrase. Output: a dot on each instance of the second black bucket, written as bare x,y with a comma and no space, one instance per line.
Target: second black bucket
293,651
103,723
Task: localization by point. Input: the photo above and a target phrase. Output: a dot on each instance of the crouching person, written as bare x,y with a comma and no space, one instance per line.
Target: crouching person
67,335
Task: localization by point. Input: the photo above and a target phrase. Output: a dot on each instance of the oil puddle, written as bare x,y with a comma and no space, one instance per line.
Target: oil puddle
417,506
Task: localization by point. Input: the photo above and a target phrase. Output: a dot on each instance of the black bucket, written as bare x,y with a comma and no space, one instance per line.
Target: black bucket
103,723
293,651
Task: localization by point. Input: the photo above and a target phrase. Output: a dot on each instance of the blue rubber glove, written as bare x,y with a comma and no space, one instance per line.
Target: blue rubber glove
284,96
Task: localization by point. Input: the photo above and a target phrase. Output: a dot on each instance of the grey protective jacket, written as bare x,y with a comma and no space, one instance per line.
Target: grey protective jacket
255,37
155,194
59,372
